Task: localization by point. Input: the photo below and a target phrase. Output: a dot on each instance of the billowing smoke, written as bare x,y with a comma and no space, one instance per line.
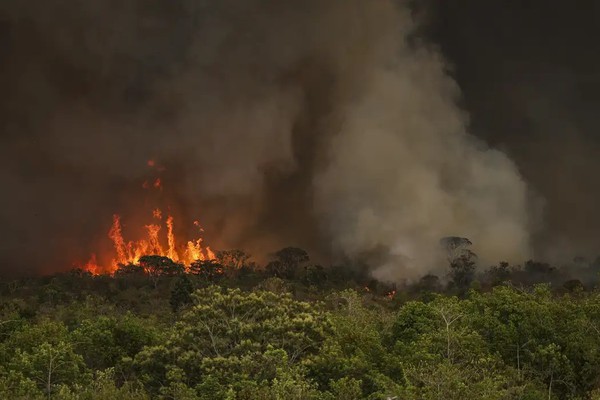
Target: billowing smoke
328,125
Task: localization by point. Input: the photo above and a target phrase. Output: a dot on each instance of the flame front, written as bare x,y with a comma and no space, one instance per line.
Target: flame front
129,252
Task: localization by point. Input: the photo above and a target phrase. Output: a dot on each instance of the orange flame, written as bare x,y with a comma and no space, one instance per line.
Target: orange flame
92,266
155,247
129,252
172,254
116,235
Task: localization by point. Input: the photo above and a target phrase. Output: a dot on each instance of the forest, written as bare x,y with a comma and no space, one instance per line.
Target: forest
231,329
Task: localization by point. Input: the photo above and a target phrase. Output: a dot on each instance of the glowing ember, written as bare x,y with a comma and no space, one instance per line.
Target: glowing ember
129,252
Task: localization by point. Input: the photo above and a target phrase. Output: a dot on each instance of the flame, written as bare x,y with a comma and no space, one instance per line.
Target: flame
154,242
209,254
130,252
116,235
172,254
92,265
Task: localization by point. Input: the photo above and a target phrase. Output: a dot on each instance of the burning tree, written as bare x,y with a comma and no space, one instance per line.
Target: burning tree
159,266
209,270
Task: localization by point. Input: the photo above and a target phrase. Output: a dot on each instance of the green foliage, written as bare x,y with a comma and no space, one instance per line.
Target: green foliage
49,365
356,349
234,337
107,342
182,293
102,388
76,336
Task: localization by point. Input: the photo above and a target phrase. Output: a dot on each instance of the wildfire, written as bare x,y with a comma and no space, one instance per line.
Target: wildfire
92,266
154,243
129,252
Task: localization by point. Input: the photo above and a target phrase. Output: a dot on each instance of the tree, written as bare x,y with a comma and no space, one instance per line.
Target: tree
159,266
104,342
455,246
50,365
208,270
129,269
287,262
104,387
232,259
462,261
181,293
462,271
230,335
356,351
499,274
314,275
427,286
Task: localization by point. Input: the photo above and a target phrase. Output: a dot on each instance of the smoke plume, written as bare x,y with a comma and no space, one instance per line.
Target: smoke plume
330,125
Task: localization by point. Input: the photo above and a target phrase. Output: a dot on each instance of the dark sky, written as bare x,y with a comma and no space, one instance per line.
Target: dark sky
530,75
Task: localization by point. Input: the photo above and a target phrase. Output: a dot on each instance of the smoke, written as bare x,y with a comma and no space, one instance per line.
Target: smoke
531,86
403,171
326,125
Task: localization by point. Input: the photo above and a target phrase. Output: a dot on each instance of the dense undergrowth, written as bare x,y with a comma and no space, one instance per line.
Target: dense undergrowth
298,331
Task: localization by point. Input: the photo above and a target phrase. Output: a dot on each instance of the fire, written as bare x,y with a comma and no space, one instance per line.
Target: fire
129,252
154,243
172,254
92,266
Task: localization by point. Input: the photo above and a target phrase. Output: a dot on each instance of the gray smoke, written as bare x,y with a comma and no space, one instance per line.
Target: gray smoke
324,124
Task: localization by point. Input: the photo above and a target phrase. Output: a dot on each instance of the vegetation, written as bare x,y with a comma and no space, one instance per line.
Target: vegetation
229,329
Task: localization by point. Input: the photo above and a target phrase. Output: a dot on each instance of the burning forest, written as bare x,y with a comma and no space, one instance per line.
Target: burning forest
299,199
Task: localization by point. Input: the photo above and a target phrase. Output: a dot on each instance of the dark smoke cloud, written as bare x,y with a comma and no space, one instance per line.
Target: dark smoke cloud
324,124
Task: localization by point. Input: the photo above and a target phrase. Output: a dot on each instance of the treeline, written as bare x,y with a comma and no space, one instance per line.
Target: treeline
229,329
